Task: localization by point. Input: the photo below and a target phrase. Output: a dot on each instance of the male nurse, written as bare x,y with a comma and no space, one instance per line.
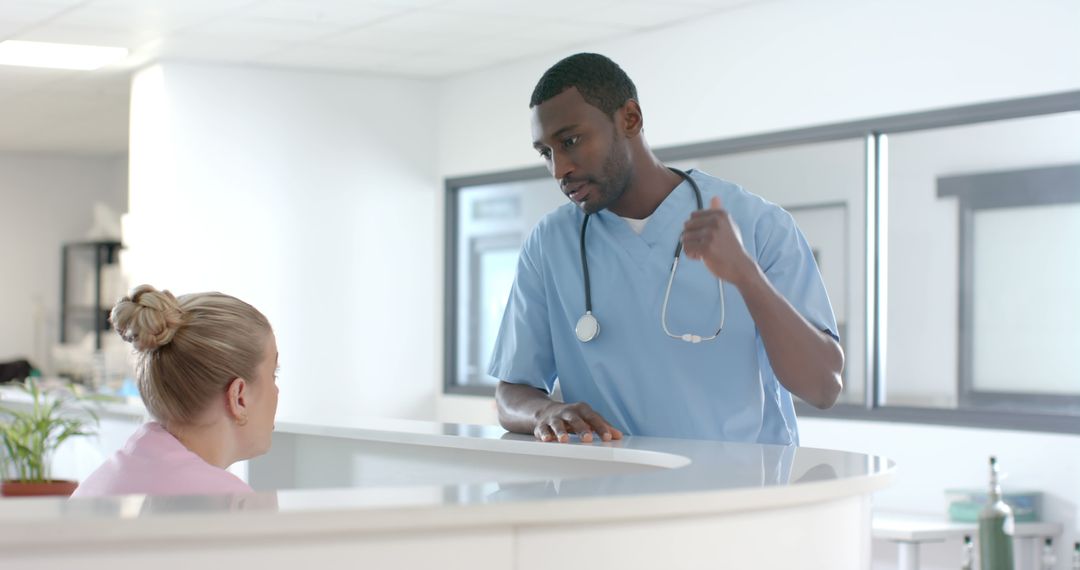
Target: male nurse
712,347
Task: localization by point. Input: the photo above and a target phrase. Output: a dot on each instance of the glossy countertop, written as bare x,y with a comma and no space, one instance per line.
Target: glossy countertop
642,477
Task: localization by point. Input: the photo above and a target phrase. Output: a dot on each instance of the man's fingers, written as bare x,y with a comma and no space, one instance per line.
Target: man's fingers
714,209
580,427
695,242
701,217
577,418
553,431
698,235
701,228
543,433
614,433
559,428
601,427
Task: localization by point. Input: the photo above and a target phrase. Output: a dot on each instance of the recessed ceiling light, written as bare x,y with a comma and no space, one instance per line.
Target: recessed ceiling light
58,56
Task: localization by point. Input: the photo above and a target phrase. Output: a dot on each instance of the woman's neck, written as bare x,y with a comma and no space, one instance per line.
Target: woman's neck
210,441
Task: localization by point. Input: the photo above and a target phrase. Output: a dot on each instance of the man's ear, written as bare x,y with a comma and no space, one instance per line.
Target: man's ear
236,400
630,119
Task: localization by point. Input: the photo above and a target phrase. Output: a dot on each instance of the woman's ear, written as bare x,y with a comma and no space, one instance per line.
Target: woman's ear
236,401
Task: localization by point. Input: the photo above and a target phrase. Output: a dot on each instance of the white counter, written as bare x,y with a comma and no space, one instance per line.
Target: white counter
416,494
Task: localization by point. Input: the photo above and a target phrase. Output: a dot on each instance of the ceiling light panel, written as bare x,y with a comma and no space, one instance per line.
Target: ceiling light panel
58,56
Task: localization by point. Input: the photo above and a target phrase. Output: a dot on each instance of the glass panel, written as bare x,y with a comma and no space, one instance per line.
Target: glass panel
823,187
1026,306
1020,266
497,276
493,221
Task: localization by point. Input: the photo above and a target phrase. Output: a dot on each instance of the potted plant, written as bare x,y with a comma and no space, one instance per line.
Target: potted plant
30,432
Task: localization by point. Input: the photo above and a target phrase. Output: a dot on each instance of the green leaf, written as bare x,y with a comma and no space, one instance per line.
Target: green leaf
30,437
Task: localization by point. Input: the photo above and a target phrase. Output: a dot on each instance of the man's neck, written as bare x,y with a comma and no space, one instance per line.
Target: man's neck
649,187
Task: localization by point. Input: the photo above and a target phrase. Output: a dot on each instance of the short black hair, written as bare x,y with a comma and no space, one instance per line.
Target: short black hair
601,82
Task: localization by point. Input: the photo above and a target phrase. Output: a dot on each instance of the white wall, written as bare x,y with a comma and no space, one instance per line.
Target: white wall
45,200
312,196
782,65
779,65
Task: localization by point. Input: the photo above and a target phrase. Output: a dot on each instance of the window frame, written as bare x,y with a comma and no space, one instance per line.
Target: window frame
478,246
452,213
874,132
1043,186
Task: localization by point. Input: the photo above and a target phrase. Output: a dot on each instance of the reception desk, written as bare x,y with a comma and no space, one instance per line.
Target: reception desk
400,494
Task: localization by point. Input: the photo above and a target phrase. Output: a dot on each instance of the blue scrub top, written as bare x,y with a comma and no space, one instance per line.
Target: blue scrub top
641,380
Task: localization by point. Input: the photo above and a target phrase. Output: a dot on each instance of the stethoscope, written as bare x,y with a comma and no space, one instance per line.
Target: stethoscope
588,327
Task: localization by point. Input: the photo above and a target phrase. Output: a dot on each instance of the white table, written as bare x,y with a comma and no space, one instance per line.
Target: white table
909,531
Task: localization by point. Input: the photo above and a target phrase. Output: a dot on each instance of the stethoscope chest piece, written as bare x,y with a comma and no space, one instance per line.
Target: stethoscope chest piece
587,327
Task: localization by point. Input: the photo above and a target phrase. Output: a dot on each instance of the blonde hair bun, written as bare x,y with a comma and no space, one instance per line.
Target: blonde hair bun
147,318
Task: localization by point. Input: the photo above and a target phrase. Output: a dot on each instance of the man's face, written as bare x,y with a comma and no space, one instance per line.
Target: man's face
583,149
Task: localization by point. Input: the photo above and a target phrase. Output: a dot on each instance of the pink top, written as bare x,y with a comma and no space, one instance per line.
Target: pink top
153,462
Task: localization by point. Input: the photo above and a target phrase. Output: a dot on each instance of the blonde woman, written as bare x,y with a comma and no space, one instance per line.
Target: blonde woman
206,367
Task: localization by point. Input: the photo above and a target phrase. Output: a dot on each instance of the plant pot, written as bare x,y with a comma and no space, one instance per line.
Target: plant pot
53,488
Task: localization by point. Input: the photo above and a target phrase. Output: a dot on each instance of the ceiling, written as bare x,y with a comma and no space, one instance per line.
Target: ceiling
87,112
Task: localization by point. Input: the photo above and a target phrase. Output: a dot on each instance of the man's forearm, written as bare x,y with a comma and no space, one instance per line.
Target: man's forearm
519,405
807,361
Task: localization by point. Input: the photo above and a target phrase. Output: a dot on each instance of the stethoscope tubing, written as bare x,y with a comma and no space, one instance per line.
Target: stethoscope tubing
588,327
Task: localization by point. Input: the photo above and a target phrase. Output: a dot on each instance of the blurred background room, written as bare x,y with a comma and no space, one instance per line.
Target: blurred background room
362,171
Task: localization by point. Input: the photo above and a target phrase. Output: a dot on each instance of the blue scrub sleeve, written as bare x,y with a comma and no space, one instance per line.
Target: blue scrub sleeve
788,262
523,351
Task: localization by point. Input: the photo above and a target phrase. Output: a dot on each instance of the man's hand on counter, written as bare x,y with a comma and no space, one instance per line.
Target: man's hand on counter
557,421
525,409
